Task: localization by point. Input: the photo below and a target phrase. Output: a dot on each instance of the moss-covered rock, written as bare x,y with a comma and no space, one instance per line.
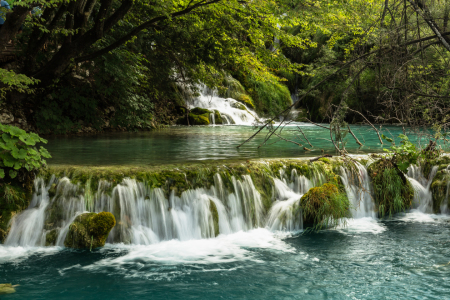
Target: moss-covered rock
393,192
245,99
50,237
218,117
200,111
238,105
215,217
89,230
439,187
323,206
7,288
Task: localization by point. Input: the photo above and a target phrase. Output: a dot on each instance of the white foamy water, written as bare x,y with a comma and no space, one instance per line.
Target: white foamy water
144,216
423,198
361,225
416,215
10,254
229,108
140,261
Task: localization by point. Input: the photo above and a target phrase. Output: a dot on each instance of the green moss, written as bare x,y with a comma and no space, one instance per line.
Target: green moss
217,117
393,192
215,217
50,237
199,119
269,97
89,230
238,106
439,187
244,99
200,111
323,206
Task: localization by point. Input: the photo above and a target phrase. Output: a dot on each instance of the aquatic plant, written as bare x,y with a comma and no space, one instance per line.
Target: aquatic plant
323,206
393,192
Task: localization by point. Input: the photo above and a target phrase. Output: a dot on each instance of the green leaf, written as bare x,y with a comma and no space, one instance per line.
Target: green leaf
2,173
12,174
386,138
403,166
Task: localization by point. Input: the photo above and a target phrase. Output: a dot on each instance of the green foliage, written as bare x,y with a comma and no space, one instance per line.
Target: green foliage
406,154
20,152
268,97
9,81
393,192
324,206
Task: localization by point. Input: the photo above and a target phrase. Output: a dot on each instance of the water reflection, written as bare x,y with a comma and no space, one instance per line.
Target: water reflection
187,144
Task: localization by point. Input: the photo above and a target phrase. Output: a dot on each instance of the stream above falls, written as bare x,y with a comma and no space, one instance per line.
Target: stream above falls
181,144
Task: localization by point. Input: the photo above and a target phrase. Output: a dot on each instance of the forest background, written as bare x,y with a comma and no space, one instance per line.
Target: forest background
101,65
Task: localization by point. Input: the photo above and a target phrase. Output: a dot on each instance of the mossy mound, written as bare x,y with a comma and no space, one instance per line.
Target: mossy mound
199,119
215,217
323,206
7,288
245,99
393,192
197,116
200,111
238,105
218,117
439,187
89,230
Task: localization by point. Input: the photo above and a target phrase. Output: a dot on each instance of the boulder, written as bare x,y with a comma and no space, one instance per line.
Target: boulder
89,230
323,206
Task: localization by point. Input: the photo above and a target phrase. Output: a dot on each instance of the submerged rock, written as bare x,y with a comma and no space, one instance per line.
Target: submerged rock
7,288
89,230
323,206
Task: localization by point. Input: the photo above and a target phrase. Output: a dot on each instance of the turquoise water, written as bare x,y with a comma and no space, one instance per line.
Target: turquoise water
190,144
405,258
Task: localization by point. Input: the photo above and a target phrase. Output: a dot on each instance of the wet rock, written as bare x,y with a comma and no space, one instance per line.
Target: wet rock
89,230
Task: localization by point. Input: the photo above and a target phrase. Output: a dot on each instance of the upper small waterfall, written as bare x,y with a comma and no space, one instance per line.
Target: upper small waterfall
229,108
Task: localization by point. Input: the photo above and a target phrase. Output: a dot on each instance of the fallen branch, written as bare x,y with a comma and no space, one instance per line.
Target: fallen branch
378,133
304,136
354,136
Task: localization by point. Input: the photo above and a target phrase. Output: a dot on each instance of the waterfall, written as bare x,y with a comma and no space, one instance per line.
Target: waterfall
27,228
212,119
359,192
423,199
144,215
231,110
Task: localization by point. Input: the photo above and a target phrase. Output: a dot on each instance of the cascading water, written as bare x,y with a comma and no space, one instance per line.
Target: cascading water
144,215
359,192
423,199
231,110
147,215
